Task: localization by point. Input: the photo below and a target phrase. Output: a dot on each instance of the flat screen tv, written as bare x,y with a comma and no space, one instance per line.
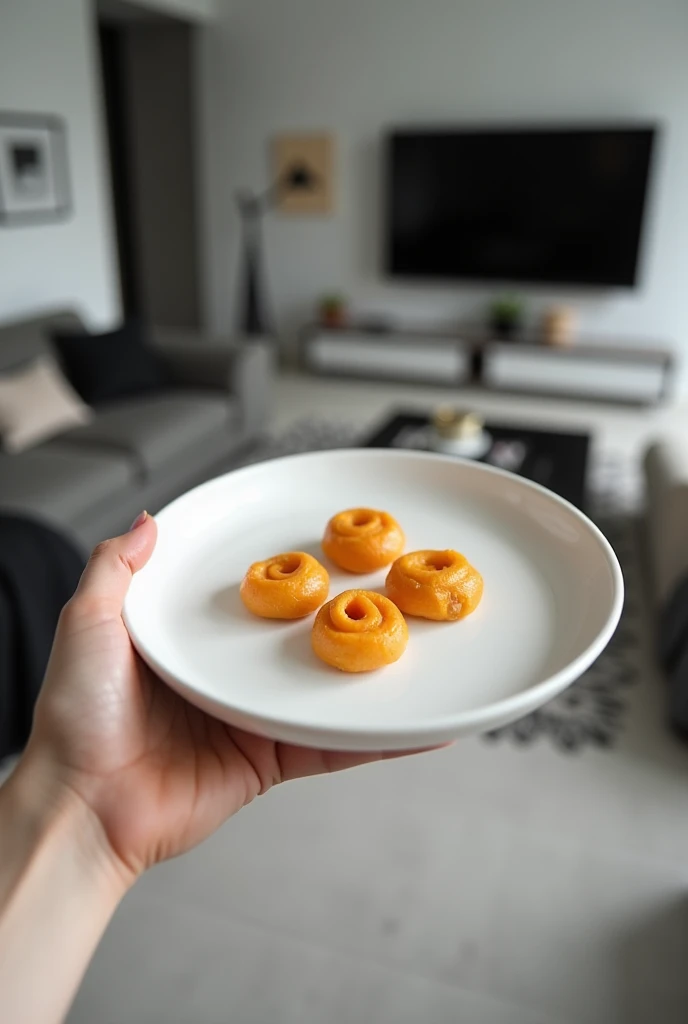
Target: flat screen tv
539,205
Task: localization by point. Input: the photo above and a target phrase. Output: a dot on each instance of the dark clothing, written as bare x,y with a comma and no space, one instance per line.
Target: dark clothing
39,571
673,652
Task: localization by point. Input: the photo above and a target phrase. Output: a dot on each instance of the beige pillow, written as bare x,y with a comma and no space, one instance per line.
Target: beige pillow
37,402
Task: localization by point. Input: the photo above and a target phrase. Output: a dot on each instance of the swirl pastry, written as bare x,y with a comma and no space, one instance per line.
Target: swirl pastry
286,586
362,539
359,631
435,585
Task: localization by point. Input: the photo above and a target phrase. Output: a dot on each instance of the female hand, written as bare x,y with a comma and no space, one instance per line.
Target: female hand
158,774
119,773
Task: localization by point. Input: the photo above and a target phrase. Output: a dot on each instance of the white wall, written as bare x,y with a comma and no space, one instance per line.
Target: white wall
359,66
48,65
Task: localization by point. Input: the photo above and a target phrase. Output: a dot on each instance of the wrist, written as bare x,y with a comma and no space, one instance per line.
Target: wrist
59,887
45,812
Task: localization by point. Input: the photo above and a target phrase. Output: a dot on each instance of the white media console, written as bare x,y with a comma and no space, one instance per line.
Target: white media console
605,372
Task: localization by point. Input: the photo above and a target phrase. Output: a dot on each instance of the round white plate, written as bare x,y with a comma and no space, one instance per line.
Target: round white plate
552,599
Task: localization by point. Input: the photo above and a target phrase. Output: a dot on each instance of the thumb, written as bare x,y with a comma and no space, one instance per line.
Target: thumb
106,578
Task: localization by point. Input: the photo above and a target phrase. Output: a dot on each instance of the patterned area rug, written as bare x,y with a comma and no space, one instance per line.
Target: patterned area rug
592,711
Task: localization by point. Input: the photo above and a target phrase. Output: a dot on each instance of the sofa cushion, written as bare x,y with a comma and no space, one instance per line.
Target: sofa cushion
107,367
60,482
37,402
154,430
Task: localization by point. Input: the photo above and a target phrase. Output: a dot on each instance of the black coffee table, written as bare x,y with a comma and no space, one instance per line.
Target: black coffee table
554,459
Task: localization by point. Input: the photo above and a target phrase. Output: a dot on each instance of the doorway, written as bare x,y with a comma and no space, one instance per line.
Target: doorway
148,75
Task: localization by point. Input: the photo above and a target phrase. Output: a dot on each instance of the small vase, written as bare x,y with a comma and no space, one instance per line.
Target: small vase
506,330
333,319
558,327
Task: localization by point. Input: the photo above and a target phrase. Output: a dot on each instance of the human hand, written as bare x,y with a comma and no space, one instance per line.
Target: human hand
158,774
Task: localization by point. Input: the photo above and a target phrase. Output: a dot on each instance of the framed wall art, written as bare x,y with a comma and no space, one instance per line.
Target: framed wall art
34,176
304,165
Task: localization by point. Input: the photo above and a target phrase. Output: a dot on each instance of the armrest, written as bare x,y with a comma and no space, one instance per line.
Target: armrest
666,476
195,360
242,368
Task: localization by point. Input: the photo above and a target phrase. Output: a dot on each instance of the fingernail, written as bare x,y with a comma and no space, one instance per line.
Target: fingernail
139,521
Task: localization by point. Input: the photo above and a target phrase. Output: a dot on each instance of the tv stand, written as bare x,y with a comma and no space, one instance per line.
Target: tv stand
472,357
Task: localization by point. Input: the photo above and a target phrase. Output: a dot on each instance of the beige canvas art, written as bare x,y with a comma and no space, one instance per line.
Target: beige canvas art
304,167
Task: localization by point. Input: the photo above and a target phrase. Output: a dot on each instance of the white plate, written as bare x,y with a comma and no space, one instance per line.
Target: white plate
552,599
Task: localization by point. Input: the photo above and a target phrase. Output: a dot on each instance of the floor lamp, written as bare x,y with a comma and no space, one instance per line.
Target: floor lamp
253,320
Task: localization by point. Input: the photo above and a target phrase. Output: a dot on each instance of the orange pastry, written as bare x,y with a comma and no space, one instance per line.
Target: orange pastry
286,586
359,631
435,585
363,540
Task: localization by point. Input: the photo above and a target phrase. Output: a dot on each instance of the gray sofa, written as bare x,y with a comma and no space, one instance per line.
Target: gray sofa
140,452
666,482
666,479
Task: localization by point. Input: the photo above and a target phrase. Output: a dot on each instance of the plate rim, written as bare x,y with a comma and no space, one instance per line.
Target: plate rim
474,721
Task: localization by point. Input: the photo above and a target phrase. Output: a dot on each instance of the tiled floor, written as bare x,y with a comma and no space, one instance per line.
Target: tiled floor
485,884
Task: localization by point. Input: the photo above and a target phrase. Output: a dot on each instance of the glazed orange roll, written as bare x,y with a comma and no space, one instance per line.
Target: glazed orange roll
363,539
435,585
359,631
286,586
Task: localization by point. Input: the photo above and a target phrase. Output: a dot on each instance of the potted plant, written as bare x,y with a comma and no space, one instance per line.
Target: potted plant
333,312
506,316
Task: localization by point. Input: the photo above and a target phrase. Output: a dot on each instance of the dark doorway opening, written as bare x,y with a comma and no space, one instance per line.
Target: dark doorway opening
148,74
111,57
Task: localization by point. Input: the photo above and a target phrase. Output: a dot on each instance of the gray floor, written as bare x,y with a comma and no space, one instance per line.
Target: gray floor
485,884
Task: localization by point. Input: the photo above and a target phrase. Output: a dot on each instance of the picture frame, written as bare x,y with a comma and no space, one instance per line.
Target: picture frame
34,173
304,165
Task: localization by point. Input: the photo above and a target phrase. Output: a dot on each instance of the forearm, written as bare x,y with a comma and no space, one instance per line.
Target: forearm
58,890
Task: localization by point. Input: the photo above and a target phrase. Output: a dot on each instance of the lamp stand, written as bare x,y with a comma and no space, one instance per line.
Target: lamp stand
252,320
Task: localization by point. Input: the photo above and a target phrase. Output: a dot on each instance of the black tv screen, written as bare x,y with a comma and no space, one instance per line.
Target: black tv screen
537,205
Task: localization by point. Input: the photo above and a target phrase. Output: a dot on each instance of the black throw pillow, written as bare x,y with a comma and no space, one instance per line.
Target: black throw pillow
118,364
